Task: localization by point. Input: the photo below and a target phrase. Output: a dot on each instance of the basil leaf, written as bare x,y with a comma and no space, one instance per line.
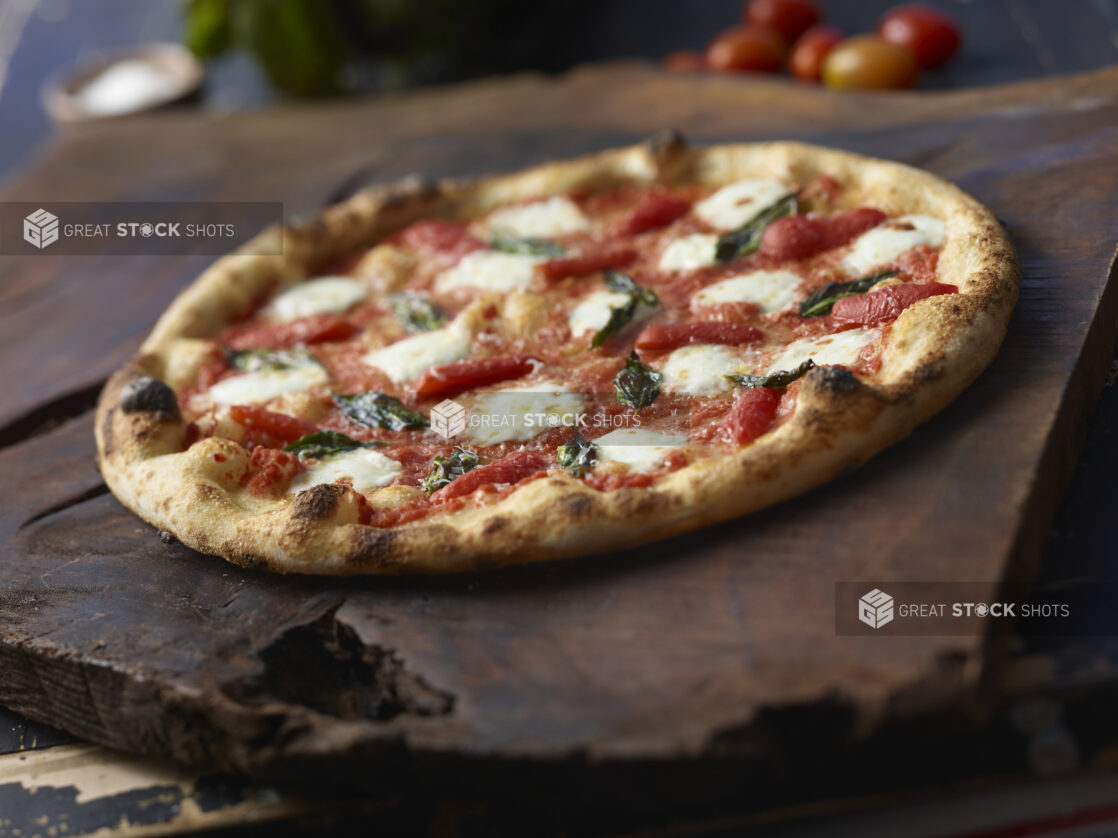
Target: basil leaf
776,380
528,247
739,243
622,315
822,300
416,313
637,384
261,360
450,468
577,456
321,444
380,410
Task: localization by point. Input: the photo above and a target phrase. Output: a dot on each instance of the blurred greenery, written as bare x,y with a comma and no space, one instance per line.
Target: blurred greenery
326,47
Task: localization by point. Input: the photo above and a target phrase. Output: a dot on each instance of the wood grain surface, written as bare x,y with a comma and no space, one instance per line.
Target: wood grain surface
710,657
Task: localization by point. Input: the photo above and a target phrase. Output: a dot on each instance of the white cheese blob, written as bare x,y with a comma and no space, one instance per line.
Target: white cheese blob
771,290
594,311
884,243
700,369
490,270
541,219
734,205
639,448
328,295
265,385
688,253
519,413
841,348
364,469
411,357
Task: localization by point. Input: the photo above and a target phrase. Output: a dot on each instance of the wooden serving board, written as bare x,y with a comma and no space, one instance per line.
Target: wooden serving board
697,664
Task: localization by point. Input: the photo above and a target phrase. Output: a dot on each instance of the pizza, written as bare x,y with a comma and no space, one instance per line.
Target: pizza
572,359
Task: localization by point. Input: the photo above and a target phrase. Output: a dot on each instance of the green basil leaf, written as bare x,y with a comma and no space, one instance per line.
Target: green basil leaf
380,410
746,239
448,469
622,315
637,384
260,360
823,300
577,456
416,313
321,444
528,247
777,380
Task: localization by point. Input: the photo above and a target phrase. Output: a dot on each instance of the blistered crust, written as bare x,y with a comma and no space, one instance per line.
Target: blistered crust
932,352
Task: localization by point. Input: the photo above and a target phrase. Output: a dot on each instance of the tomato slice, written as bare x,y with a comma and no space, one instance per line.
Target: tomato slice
661,337
588,262
448,379
801,236
752,414
656,212
509,470
444,238
278,426
319,328
884,304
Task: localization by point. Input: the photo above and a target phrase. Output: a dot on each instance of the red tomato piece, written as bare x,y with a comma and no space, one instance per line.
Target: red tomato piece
801,236
319,328
448,379
661,337
750,49
276,425
445,238
847,226
590,261
930,35
789,18
654,213
274,469
509,470
685,62
752,414
884,304
806,61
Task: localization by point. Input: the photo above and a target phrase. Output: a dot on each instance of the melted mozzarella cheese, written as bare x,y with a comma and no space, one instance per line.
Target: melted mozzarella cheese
265,385
541,219
490,270
363,468
639,448
519,413
411,357
328,295
841,348
884,243
771,290
734,205
700,369
688,253
592,314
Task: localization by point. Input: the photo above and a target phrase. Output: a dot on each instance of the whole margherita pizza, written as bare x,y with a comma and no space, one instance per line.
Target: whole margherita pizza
582,356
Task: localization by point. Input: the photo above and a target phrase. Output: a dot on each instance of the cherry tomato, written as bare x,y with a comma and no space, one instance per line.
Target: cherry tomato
751,49
867,62
685,62
806,62
789,18
932,36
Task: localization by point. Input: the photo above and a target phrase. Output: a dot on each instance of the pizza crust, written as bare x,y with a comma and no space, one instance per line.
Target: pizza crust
934,350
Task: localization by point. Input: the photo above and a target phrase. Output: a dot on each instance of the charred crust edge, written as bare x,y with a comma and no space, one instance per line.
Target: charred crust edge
666,143
318,502
145,394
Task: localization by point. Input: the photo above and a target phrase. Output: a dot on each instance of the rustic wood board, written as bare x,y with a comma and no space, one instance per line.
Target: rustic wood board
683,659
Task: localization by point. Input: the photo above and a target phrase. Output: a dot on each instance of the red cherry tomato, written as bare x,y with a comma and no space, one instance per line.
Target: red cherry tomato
751,49
685,62
867,62
931,36
789,18
806,62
